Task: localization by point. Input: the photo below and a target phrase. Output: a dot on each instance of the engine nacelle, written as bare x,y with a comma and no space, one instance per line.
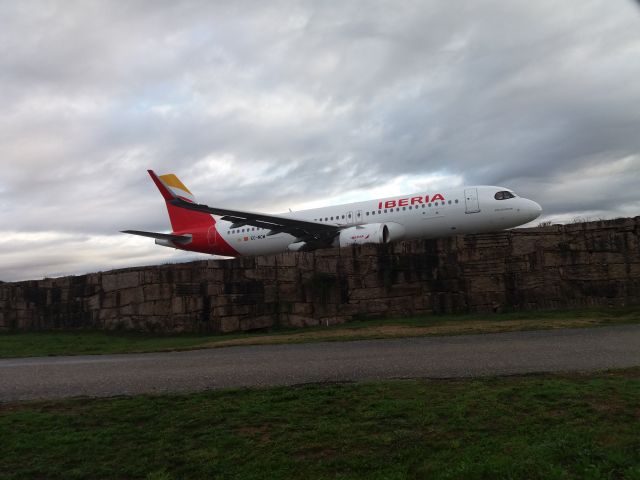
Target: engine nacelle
297,247
396,231
369,233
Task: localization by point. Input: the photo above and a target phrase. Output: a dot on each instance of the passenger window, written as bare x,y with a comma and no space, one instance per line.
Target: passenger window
404,208
373,213
449,202
410,207
367,214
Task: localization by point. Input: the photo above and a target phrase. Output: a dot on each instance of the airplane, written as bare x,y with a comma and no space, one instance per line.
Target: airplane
438,213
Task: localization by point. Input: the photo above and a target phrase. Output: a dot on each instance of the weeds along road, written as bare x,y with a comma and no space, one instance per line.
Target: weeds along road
270,365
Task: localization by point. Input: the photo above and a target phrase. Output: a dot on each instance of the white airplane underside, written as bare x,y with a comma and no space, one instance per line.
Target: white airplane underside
221,231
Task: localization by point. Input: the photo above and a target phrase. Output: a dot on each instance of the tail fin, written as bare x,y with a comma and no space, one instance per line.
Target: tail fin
182,220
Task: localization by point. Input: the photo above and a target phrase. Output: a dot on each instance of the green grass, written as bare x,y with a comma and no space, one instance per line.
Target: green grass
30,344
94,342
534,427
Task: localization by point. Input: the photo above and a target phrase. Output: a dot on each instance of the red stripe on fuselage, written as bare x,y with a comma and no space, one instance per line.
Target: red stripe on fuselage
202,227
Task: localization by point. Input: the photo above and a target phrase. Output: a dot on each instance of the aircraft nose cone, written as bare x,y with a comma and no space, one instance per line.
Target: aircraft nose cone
534,209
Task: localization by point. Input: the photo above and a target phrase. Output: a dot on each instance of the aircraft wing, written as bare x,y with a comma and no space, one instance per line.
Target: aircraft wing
302,229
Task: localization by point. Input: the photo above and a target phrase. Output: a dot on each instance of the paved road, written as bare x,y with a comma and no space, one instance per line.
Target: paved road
435,357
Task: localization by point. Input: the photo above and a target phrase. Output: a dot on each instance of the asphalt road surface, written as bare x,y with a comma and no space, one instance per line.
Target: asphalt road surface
257,366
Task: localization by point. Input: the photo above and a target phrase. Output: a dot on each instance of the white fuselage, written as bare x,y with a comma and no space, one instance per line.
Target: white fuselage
422,215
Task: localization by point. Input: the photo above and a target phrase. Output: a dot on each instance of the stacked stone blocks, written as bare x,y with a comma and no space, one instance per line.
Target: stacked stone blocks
560,266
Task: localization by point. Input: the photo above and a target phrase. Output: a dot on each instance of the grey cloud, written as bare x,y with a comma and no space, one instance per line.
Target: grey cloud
269,105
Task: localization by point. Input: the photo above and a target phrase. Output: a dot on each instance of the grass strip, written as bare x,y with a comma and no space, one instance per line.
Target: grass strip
534,427
98,342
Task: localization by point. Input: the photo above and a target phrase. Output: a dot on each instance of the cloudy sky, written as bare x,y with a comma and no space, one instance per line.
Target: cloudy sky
282,104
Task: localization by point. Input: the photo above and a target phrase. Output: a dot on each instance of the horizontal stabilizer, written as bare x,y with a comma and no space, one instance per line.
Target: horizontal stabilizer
161,236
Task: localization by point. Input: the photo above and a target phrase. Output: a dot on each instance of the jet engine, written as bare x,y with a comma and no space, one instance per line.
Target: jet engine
298,247
358,235
361,234
371,233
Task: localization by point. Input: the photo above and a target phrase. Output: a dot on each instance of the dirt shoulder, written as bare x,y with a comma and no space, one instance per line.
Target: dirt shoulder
399,331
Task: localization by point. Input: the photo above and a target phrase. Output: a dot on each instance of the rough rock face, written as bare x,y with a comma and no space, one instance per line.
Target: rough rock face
596,263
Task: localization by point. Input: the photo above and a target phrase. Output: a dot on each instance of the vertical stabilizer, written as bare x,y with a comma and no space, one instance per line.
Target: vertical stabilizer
182,220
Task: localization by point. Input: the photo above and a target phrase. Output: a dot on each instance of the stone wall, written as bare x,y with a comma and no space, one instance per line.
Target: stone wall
588,264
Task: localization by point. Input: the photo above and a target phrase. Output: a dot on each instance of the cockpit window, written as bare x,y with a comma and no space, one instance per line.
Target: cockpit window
504,195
